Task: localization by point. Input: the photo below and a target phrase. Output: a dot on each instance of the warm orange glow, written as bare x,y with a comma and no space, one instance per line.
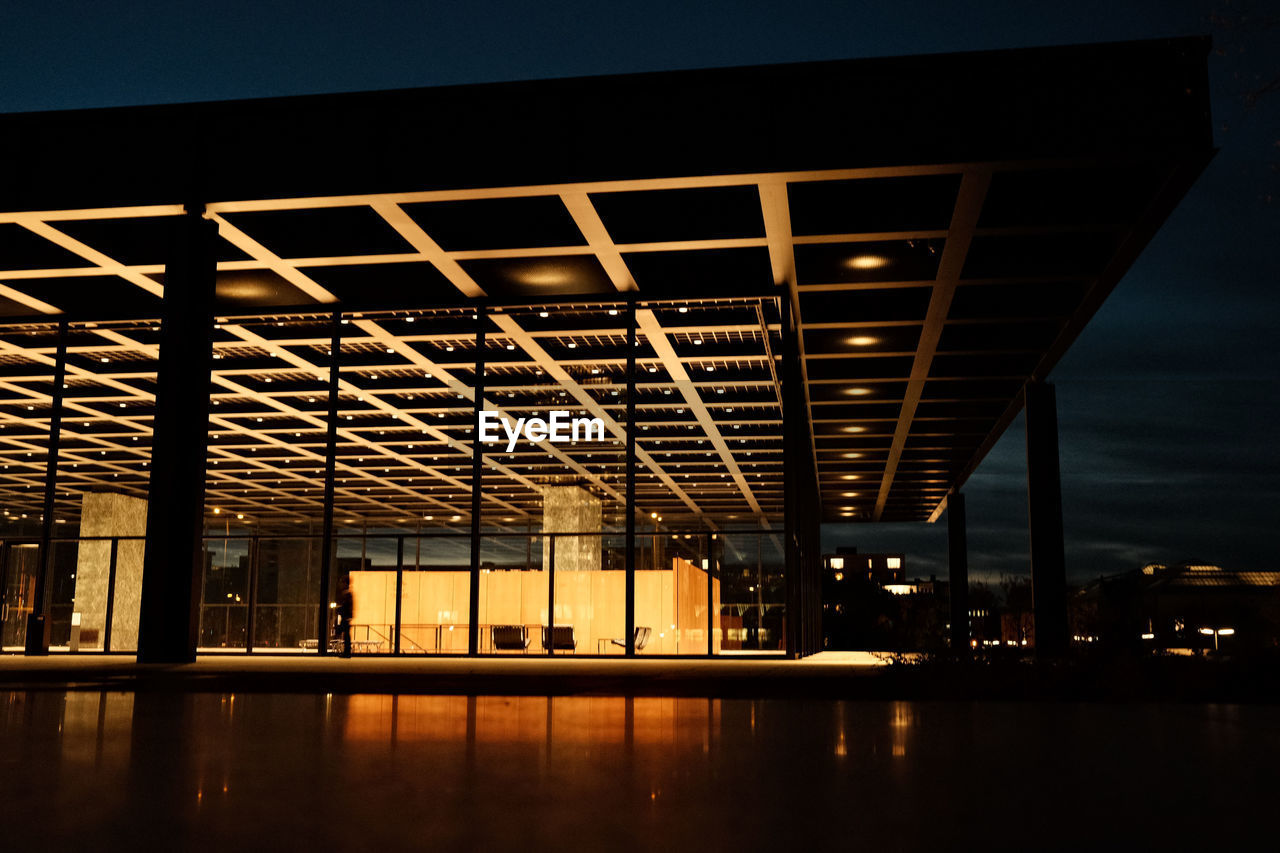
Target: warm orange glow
867,262
855,429
858,392
862,341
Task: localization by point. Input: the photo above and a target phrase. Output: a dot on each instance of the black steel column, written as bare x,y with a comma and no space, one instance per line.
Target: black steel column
549,646
169,618
958,551
37,638
791,556
330,475
111,594
711,583
630,510
250,622
1044,504
395,646
477,473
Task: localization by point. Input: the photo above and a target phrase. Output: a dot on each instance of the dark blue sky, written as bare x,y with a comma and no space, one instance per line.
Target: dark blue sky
1167,403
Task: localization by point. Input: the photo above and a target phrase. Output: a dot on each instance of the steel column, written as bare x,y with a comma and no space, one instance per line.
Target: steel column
477,475
630,509
1044,505
958,553
169,618
37,637
330,475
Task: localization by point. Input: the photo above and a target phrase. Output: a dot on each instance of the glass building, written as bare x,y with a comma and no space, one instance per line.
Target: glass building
268,362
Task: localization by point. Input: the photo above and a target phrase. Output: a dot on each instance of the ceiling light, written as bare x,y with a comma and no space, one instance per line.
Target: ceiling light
858,392
683,310
855,429
867,262
862,341
543,314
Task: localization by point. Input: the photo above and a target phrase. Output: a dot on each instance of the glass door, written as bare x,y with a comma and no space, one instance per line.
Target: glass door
18,566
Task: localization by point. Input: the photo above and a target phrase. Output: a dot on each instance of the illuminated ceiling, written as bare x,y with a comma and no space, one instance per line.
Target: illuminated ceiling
932,280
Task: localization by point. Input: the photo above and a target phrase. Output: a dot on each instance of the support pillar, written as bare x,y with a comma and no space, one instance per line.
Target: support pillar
37,637
169,620
958,552
1044,503
629,584
477,483
330,476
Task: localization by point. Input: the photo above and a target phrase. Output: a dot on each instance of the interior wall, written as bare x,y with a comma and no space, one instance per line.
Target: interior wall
671,603
110,514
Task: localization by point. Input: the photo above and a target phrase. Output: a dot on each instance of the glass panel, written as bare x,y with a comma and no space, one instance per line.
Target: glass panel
287,612
224,600
21,561
367,566
708,437
753,596
435,609
62,606
104,472
513,594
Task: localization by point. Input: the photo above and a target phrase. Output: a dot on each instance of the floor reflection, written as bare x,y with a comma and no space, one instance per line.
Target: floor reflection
85,769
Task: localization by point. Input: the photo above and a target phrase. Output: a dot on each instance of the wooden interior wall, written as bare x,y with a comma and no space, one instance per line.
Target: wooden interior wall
672,604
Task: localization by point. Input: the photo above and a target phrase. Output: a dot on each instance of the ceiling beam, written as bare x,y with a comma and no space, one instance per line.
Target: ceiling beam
964,220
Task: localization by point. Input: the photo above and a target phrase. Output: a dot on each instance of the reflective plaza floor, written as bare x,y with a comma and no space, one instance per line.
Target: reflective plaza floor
96,769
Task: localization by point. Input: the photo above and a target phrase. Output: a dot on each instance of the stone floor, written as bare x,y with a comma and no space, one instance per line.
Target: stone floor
107,769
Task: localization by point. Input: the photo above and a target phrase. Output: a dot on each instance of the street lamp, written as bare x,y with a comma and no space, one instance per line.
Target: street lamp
1217,632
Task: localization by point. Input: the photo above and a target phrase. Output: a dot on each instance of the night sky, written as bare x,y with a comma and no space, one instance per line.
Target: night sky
1168,401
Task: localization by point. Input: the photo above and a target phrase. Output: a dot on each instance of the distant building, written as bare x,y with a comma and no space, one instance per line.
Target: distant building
884,569
868,603
1191,605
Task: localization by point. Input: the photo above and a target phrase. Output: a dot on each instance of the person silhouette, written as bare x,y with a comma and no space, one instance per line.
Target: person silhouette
346,605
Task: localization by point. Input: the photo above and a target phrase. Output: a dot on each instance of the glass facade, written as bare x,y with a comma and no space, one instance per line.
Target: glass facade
481,475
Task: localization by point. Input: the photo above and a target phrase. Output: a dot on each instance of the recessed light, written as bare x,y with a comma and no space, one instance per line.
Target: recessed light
867,262
855,429
862,341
